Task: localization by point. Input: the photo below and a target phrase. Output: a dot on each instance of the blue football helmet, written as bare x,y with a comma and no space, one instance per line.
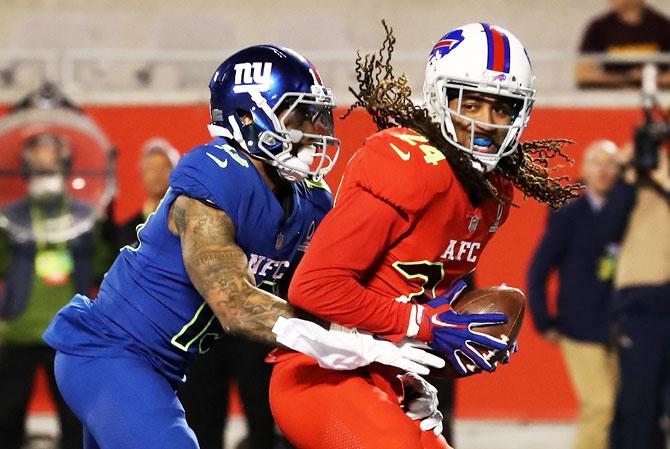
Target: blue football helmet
270,100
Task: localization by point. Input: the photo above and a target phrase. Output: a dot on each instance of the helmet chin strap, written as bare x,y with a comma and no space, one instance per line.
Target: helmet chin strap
292,165
220,131
479,166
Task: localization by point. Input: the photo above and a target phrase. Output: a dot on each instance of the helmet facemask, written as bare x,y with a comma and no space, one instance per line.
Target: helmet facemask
318,149
444,89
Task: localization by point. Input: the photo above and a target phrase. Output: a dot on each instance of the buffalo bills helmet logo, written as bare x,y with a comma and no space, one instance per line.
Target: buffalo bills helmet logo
447,43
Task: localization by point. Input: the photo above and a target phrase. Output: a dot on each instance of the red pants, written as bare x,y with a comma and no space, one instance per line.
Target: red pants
316,408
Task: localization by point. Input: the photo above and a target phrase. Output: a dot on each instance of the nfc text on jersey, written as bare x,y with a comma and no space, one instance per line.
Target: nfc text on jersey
261,265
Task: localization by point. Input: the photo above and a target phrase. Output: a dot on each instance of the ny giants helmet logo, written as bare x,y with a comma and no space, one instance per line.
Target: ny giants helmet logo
252,77
447,43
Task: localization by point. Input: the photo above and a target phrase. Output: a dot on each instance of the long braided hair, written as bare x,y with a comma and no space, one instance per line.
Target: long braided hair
388,100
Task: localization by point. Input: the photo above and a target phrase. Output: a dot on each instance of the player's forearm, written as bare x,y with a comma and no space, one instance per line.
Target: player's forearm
336,296
250,312
221,276
218,269
327,281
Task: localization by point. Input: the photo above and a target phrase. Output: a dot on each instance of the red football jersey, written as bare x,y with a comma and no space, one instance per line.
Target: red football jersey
402,229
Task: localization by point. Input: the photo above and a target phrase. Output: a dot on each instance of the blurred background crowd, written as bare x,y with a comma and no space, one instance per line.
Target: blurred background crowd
99,99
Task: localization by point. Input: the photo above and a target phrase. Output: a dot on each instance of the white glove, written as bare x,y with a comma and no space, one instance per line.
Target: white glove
422,403
346,349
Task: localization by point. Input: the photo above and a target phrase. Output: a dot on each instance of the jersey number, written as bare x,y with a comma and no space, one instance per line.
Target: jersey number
431,273
195,330
430,154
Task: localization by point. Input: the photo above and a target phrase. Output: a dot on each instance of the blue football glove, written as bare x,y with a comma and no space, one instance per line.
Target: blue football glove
451,333
508,354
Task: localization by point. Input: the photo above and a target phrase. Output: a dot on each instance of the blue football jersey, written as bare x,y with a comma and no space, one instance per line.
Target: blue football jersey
147,303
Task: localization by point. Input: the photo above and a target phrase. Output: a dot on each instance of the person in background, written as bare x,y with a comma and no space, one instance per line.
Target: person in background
630,29
40,276
571,245
638,216
157,160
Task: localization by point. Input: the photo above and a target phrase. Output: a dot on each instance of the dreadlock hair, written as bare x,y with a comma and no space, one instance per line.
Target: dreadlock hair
388,100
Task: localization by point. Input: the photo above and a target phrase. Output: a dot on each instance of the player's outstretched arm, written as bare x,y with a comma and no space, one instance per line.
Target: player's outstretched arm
219,270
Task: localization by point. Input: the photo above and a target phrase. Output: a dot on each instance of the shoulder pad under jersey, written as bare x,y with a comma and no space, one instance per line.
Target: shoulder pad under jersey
316,192
401,167
217,174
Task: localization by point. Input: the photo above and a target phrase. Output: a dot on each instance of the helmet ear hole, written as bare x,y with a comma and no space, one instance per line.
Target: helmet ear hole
517,106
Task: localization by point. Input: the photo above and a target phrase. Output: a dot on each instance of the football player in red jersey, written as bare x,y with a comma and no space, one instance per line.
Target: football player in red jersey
416,207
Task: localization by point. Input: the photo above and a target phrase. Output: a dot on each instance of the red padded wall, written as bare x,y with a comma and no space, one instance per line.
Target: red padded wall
534,385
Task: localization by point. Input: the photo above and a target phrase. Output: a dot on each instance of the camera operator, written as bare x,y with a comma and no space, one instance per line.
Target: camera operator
638,216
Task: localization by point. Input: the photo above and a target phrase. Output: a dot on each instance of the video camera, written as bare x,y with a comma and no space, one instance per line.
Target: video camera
655,130
649,139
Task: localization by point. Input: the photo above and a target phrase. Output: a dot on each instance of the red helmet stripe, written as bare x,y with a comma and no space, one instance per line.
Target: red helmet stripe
498,46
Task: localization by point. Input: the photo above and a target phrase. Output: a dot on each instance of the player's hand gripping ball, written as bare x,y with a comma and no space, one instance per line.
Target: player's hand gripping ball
499,299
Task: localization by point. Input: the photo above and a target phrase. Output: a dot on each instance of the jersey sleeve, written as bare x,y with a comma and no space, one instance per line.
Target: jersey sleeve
329,281
215,174
385,184
401,168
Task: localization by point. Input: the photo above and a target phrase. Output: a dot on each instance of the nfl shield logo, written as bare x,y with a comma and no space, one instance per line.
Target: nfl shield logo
474,222
310,232
279,242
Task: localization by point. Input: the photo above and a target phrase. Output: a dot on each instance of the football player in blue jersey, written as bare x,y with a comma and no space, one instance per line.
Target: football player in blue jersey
237,216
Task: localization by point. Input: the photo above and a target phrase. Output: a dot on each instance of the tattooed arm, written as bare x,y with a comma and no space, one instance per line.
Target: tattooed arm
219,270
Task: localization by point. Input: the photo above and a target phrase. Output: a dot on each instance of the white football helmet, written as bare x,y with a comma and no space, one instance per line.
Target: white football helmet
485,59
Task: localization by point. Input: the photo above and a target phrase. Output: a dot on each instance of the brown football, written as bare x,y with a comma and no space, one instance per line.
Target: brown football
508,300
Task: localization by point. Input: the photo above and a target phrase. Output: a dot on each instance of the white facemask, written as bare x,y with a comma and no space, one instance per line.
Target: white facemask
295,168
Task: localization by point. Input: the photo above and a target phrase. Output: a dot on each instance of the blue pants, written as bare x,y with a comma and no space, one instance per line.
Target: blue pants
123,403
645,371
644,367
